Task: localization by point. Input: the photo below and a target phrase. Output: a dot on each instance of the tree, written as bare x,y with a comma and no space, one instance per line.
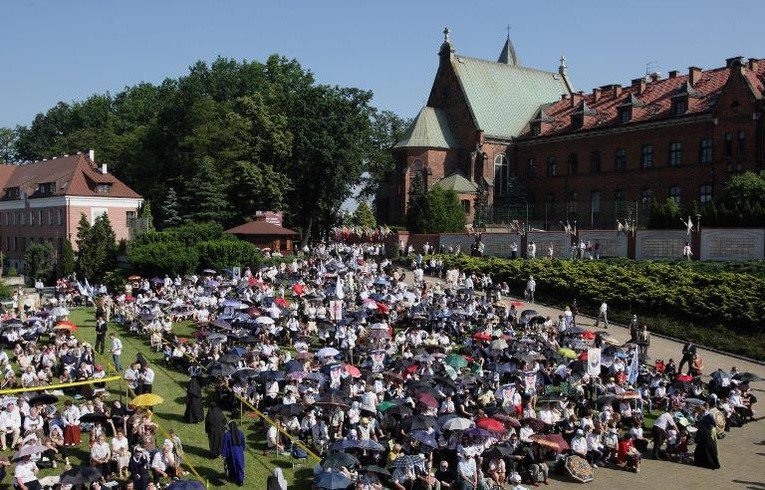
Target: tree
206,195
364,217
417,206
97,247
66,265
387,130
85,259
145,213
39,261
8,139
445,213
170,213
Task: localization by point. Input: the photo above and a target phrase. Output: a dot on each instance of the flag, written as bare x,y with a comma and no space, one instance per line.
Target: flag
632,375
593,362
339,291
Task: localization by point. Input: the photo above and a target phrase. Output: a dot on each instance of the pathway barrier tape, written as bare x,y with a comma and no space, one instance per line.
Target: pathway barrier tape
61,385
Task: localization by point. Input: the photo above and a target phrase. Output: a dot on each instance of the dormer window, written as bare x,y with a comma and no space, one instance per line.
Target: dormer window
680,107
536,129
12,193
625,115
46,188
577,121
103,188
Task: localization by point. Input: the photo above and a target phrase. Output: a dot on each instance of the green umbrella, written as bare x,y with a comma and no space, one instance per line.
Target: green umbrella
456,361
451,372
567,353
385,405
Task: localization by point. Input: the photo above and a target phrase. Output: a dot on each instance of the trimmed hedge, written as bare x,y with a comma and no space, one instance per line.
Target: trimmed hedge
718,308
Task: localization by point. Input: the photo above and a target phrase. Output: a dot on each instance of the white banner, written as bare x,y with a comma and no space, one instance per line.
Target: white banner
593,362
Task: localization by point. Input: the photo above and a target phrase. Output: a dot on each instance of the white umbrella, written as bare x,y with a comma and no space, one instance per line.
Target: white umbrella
264,320
457,423
59,311
328,352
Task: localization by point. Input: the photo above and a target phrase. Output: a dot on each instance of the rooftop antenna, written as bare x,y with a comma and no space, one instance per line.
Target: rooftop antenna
651,67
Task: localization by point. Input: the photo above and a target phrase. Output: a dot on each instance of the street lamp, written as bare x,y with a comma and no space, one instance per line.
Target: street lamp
698,223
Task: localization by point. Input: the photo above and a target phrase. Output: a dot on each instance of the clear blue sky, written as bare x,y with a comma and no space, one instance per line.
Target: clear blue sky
54,51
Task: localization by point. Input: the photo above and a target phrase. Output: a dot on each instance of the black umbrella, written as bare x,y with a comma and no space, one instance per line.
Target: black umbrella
399,410
44,399
290,410
375,469
243,374
93,417
272,375
338,460
80,475
408,460
218,369
229,359
332,400
332,480
747,377
418,422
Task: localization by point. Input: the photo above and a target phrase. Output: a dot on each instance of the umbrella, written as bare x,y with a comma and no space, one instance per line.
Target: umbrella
291,410
217,337
229,359
209,271
536,424
332,480
44,399
375,469
458,423
428,400
476,432
271,375
342,444
481,336
747,377
222,324
368,445
425,438
499,344
400,410
94,417
186,485
408,460
66,326
579,469
59,311
218,369
608,398
265,320
456,361
328,352
30,450
418,422
80,475
245,374
567,353
147,400
331,400
552,441
352,370
694,401
338,460
134,277
296,375
490,424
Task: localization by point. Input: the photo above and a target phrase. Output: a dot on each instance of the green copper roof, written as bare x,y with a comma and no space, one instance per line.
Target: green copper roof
430,129
503,97
457,183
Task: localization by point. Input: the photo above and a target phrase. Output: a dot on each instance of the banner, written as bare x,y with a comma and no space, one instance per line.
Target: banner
335,310
593,362
634,368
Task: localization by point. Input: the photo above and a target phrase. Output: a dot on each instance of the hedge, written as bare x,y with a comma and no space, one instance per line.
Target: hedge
718,308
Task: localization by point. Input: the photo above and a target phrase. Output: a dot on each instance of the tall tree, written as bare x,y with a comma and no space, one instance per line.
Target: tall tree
8,141
364,217
39,261
387,129
145,213
206,195
417,205
445,213
85,254
170,212
66,264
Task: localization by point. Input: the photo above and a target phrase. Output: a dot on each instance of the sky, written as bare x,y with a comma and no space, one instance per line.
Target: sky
55,50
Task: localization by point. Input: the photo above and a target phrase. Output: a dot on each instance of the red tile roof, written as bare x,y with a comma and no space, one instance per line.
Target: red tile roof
654,103
73,175
261,228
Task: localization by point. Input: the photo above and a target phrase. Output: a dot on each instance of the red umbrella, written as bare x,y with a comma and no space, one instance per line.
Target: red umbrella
588,335
583,355
382,308
511,421
254,312
518,304
556,442
481,336
129,298
352,370
428,400
491,425
281,302
297,288
684,377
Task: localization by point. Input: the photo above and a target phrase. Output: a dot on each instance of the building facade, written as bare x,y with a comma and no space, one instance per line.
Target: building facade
547,154
43,202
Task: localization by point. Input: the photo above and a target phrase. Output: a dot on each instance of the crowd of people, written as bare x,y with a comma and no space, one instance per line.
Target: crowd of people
391,379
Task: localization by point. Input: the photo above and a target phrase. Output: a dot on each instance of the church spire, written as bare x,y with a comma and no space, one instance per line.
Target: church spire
508,56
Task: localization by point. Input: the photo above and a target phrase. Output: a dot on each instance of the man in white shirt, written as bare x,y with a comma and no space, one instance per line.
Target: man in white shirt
602,314
579,444
147,379
660,426
10,423
25,474
116,351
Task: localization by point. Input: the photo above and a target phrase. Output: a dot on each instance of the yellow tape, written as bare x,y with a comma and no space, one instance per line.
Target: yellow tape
61,386
271,422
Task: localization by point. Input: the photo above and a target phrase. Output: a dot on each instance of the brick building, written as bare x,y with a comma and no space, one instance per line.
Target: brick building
543,151
43,201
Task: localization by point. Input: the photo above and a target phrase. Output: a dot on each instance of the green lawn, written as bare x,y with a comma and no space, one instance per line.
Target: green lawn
171,385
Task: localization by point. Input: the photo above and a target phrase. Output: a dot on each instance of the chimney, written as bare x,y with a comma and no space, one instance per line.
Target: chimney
638,85
735,61
595,95
92,155
617,90
104,170
752,64
576,98
694,75
673,74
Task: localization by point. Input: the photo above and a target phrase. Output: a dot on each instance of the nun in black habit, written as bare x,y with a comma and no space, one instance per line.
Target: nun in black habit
215,427
194,411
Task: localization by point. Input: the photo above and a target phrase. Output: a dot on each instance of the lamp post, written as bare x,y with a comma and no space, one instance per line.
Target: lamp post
698,223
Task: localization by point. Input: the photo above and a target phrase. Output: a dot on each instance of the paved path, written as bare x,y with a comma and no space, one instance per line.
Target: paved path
742,452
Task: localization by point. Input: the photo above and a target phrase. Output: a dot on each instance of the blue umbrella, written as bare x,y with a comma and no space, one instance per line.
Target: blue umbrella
425,438
293,366
342,444
332,481
238,351
232,303
186,485
368,444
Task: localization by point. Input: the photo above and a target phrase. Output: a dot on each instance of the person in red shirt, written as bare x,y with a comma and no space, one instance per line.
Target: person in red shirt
628,454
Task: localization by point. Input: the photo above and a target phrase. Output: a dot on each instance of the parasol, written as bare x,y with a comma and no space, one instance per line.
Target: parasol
338,460
147,400
428,400
353,371
747,377
264,320
186,485
408,460
80,475
456,361
458,423
552,441
93,417
425,438
29,451
328,352
375,469
490,424
579,469
44,399
481,336
332,480
217,369
567,353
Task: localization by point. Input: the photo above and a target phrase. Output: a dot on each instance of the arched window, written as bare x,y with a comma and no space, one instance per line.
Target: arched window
500,175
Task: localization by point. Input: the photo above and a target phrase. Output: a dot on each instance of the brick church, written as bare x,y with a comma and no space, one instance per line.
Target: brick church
534,148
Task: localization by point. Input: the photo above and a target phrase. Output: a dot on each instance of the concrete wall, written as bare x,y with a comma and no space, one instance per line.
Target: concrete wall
732,244
612,244
561,243
660,244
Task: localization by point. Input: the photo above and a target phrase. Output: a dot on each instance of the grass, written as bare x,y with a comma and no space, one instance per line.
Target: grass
171,385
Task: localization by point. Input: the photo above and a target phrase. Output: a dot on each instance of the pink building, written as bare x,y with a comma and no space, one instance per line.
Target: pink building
43,201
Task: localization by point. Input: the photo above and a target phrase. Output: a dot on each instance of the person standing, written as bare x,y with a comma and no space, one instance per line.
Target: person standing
194,412
659,430
550,250
233,453
100,334
147,379
596,249
531,287
513,250
215,425
602,314
687,252
689,353
532,250
116,352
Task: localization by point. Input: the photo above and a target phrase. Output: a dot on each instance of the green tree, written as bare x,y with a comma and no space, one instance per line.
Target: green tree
258,188
66,264
387,129
364,217
145,212
104,245
206,195
445,213
417,206
39,261
8,140
170,212
748,187
85,255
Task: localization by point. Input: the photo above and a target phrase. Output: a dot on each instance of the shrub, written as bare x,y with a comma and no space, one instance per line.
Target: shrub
163,258
221,254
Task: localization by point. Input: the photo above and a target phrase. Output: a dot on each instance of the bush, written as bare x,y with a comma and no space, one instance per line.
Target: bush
222,254
163,258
